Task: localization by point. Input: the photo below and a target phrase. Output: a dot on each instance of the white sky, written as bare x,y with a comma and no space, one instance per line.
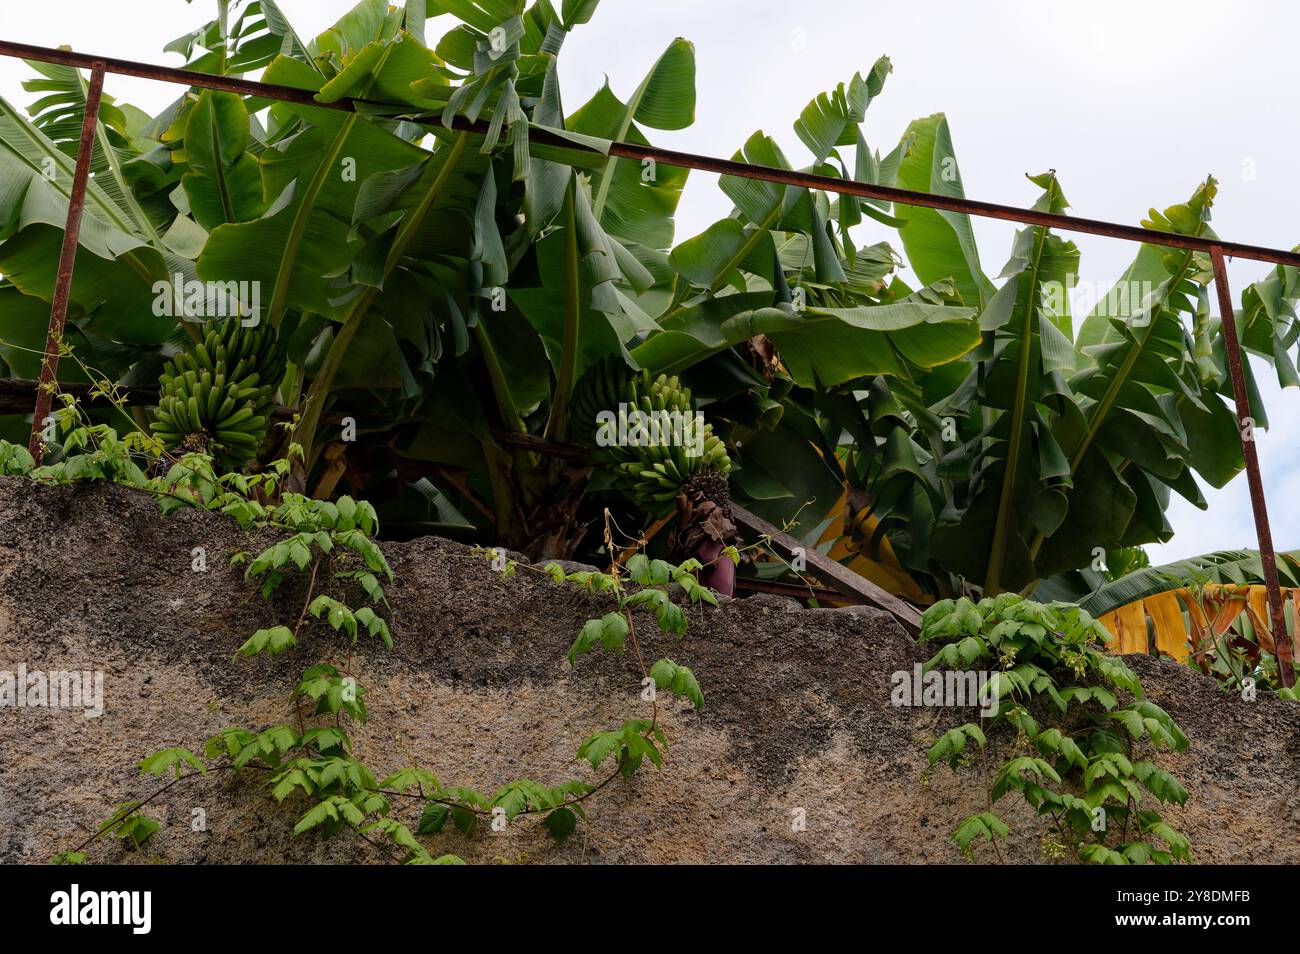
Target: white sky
1132,102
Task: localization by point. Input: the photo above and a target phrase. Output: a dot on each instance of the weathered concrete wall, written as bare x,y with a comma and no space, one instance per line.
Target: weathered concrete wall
477,690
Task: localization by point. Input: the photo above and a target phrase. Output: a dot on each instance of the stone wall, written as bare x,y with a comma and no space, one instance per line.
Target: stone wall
477,689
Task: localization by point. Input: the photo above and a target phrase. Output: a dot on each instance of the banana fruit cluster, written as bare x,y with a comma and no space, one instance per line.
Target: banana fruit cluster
645,431
223,389
602,388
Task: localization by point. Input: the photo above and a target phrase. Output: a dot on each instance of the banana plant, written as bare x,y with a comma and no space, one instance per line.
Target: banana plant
773,280
1064,445
449,290
1011,473
1098,428
512,51
1151,417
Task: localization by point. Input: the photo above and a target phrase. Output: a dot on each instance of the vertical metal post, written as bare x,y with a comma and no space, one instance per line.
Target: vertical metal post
67,259
1267,557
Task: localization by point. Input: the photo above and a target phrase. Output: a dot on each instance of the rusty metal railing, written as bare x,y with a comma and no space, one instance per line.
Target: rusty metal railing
1218,249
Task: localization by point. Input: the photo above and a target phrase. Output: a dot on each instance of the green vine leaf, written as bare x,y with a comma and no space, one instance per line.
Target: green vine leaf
678,680
561,823
433,818
985,825
671,619
274,640
638,569
464,820
952,743
335,809
420,779
172,758
599,747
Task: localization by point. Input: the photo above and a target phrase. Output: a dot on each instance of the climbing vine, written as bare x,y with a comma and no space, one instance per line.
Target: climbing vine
1085,740
328,551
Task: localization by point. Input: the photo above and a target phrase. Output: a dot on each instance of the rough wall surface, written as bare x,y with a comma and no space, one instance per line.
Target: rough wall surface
797,711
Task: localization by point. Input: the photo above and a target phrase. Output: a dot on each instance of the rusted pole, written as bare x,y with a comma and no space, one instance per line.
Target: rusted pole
67,259
1246,430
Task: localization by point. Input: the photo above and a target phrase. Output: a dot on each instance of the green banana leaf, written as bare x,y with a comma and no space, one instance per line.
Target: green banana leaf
1021,480
939,244
1232,567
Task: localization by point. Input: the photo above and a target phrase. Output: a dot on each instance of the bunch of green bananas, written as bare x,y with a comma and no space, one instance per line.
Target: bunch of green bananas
601,388
650,467
221,388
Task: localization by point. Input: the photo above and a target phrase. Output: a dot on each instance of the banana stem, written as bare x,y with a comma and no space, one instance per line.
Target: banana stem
1015,447
557,425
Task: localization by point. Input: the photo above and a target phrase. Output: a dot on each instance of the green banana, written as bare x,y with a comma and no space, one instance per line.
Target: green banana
223,388
653,471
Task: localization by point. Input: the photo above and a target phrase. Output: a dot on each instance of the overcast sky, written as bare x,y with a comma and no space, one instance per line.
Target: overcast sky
1133,102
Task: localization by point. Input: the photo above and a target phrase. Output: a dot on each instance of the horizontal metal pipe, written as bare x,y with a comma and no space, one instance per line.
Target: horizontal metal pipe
166,74
988,210
686,160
